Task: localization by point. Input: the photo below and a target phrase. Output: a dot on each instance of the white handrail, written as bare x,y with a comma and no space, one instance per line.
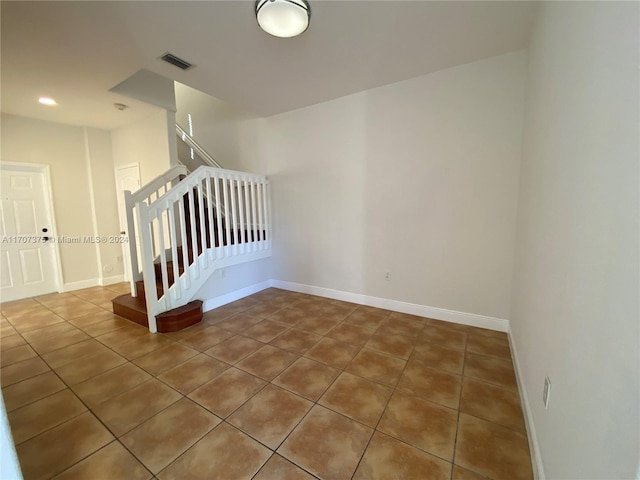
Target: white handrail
144,195
188,139
183,217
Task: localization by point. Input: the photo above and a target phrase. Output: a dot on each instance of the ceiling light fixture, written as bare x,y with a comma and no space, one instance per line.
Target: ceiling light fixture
283,18
47,101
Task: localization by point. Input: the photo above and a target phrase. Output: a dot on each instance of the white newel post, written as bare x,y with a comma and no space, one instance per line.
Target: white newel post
148,272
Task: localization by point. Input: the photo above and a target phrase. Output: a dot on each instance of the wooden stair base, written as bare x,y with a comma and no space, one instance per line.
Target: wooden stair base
135,310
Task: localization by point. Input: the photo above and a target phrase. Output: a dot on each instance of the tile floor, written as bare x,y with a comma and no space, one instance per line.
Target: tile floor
278,385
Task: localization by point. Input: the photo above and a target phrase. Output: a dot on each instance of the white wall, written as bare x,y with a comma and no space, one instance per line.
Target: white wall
146,142
63,148
227,133
575,313
417,178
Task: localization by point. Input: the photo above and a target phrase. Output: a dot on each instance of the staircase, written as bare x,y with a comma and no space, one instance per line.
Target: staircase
188,226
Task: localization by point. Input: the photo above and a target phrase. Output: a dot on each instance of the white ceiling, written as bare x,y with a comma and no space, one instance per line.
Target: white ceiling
76,51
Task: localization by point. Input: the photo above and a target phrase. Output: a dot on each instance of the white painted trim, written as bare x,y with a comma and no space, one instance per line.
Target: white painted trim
104,281
436,313
71,286
534,447
216,302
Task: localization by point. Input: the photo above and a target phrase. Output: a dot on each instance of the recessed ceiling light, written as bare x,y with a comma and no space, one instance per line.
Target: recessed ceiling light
47,101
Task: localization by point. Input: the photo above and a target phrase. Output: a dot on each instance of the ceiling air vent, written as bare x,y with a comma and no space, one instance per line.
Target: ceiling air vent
177,61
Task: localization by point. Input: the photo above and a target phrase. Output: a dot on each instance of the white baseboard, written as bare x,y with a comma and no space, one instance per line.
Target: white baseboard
534,447
71,286
104,281
216,302
436,313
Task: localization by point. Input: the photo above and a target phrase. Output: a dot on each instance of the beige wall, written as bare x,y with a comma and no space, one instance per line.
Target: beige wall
62,147
575,313
145,142
230,135
417,178
106,223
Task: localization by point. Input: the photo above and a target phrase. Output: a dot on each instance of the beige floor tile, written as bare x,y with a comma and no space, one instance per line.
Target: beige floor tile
157,442
49,332
141,346
238,323
119,335
206,338
28,391
216,315
241,305
333,353
87,320
234,349
35,320
317,324
22,370
445,337
267,362
460,473
395,345
106,326
490,369
386,458
10,356
262,310
353,334
77,309
12,340
46,455
326,444
296,341
196,371
278,468
44,344
40,416
74,352
365,318
227,392
307,378
224,453
422,424
270,415
401,324
289,316
107,385
486,345
489,402
439,357
129,409
90,366
265,331
357,398
492,450
112,462
431,384
165,358
377,367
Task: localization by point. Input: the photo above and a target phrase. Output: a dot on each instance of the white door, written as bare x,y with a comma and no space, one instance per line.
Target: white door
127,178
28,259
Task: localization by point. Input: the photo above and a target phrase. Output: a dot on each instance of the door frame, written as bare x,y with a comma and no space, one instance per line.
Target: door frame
49,204
128,274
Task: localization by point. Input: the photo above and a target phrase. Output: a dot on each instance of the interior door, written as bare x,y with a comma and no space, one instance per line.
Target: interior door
28,259
127,178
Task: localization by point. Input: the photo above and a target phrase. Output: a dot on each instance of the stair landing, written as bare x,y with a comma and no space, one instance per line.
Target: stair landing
135,310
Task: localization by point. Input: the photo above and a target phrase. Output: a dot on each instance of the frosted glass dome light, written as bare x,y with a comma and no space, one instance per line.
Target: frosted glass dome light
283,18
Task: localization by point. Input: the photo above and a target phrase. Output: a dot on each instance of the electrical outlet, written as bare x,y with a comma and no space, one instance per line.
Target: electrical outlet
387,276
546,392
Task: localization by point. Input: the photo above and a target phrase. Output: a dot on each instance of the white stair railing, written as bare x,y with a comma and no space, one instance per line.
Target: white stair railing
202,153
146,195
212,219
